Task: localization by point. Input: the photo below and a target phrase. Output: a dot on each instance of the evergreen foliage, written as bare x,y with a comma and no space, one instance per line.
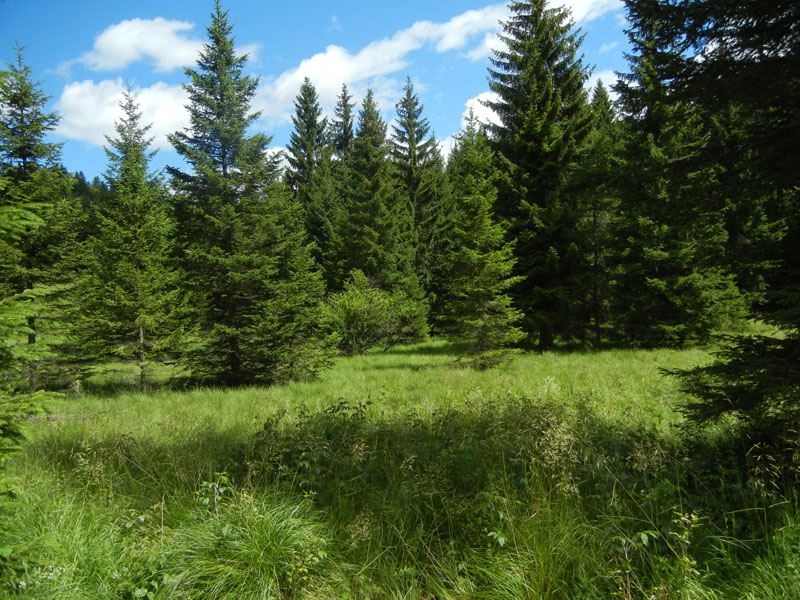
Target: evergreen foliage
744,58
670,287
19,219
544,120
309,173
342,131
129,291
248,269
420,171
374,228
478,308
42,255
597,183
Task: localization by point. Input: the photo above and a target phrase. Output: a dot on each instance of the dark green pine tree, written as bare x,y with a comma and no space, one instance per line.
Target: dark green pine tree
420,169
374,227
342,131
310,170
247,268
743,58
42,256
129,291
307,143
670,287
595,182
477,305
544,119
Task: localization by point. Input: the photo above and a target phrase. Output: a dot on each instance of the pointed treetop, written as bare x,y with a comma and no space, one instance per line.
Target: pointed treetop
129,149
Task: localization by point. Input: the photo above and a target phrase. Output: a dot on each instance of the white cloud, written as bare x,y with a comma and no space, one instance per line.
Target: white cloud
483,113
606,48
162,42
372,65
89,109
585,11
490,42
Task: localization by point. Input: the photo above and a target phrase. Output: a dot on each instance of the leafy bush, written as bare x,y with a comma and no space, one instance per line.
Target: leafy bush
364,315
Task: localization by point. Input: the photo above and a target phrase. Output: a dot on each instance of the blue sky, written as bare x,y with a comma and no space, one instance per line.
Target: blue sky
83,53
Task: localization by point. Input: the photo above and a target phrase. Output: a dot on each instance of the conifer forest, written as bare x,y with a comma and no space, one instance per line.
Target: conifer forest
561,360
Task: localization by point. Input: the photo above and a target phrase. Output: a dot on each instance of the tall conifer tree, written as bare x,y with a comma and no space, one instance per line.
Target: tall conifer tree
247,266
670,286
310,172
477,306
375,227
130,297
342,128
542,107
43,255
744,58
420,170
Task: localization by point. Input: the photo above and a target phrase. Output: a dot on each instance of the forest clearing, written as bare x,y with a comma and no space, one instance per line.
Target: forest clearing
558,357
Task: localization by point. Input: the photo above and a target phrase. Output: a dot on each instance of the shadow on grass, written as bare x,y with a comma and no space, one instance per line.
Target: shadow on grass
458,475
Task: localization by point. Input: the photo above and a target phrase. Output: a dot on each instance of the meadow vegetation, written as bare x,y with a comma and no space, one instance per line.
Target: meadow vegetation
400,474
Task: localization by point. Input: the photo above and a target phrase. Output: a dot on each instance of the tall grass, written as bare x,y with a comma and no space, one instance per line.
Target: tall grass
400,475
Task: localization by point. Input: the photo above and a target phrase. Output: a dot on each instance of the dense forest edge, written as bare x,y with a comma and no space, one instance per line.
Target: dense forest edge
583,238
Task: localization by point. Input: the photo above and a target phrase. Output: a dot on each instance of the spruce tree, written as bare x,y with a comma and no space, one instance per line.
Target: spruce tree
248,268
310,172
744,58
477,306
670,286
129,290
374,229
542,107
596,184
342,132
420,171
43,256
307,142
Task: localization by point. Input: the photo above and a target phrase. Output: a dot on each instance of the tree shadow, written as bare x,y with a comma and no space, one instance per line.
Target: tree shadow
442,472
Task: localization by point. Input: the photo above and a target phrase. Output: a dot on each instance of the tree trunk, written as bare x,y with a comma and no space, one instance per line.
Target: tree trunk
142,366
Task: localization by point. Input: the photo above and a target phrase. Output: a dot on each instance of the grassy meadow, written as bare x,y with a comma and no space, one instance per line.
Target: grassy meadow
400,474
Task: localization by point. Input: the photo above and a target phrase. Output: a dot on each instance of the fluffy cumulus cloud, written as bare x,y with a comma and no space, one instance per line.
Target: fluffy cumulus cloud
374,64
585,11
89,110
163,43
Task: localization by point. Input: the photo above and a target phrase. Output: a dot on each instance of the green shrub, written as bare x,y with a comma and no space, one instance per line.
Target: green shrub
364,315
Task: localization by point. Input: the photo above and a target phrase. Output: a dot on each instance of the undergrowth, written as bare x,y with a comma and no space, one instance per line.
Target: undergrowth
549,492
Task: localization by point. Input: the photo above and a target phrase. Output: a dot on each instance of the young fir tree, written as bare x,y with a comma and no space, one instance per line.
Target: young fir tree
18,220
43,256
541,103
129,290
247,267
420,170
670,287
310,172
477,306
